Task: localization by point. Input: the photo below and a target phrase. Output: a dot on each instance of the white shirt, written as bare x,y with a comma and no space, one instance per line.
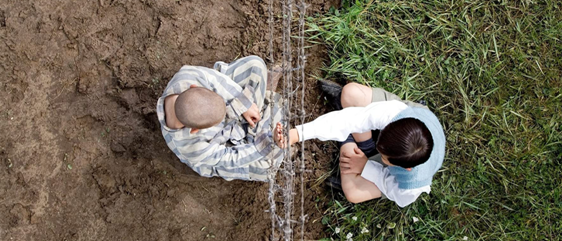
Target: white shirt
337,126
380,176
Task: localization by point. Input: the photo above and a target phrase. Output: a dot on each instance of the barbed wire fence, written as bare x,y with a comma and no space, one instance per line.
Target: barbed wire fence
301,78
282,178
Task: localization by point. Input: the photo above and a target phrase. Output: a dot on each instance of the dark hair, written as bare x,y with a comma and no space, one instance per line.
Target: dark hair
200,108
406,142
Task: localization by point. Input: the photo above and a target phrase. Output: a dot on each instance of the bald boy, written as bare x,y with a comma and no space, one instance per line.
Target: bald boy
195,108
218,121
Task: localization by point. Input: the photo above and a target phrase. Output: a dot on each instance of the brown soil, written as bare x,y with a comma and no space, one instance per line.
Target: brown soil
81,152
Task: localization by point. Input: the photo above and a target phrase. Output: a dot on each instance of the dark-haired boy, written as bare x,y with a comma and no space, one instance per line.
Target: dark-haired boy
394,149
218,121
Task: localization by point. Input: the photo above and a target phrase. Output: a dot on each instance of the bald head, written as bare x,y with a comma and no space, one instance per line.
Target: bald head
200,108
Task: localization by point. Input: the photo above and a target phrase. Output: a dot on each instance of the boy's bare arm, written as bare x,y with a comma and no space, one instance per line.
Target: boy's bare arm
293,136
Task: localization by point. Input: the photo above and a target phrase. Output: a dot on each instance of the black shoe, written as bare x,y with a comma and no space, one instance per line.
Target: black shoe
334,182
333,92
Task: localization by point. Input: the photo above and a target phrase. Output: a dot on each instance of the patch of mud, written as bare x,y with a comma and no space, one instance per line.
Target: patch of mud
81,153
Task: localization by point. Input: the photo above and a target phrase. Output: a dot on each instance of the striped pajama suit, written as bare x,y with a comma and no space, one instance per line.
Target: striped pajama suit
231,149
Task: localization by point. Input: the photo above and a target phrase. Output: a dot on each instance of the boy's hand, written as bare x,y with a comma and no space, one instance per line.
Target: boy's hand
278,136
353,162
281,139
252,115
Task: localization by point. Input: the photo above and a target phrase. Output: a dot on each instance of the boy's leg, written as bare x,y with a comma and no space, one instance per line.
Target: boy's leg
357,95
356,188
383,95
247,71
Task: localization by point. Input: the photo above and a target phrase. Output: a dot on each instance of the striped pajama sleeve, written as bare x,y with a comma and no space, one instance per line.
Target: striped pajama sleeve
208,154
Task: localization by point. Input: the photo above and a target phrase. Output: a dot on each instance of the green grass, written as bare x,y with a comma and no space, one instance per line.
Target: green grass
491,71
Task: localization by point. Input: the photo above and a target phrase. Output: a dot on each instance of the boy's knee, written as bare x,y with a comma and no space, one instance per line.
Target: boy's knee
256,61
350,193
352,199
350,95
258,67
347,148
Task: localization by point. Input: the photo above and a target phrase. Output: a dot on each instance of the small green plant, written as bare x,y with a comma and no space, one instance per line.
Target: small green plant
105,132
65,160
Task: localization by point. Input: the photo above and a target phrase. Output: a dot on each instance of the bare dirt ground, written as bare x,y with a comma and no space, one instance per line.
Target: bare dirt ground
81,152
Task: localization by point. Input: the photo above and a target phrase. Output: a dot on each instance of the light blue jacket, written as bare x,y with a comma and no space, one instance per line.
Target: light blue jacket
422,175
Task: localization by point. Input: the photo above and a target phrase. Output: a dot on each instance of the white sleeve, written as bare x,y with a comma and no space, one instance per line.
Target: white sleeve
337,125
380,176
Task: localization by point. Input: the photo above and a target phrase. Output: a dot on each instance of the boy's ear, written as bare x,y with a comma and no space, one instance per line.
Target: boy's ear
193,130
193,86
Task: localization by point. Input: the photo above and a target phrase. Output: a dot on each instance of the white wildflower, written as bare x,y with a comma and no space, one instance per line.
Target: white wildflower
379,225
354,218
337,230
349,235
364,230
465,238
415,219
391,225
